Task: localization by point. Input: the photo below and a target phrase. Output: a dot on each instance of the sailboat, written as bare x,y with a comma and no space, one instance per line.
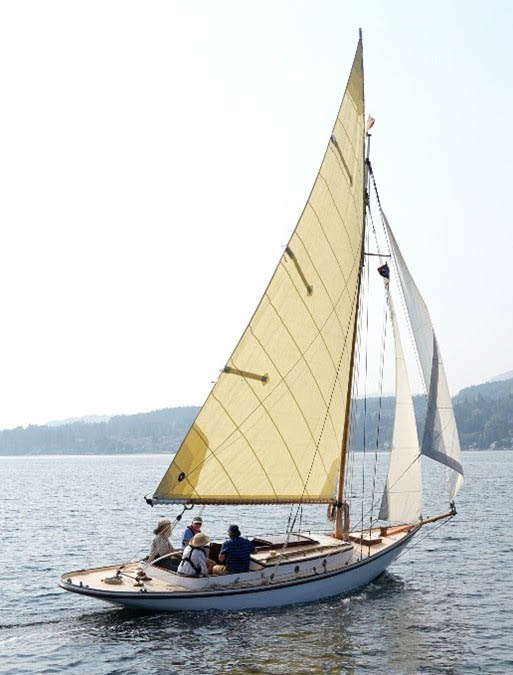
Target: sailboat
276,426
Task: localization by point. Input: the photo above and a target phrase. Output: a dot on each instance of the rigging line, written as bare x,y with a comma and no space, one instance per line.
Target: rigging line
335,380
365,381
383,347
355,390
384,224
255,454
413,461
319,329
416,459
296,229
284,376
354,397
348,488
290,517
260,402
430,532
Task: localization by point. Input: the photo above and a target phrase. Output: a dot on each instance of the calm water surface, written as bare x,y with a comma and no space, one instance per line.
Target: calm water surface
444,607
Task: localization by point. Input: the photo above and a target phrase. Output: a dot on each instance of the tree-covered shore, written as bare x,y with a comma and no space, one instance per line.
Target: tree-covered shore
484,415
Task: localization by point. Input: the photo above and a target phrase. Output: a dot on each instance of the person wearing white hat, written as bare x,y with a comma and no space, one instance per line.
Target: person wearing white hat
161,544
194,557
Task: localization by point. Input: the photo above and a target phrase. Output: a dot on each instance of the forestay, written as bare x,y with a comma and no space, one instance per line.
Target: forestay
271,428
440,438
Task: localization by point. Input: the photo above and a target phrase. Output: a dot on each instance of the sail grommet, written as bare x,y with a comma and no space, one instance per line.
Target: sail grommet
181,476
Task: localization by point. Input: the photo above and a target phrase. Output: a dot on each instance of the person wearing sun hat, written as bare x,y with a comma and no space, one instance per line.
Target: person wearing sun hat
194,557
161,544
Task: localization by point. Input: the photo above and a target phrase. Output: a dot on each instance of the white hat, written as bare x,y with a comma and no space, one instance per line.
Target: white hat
199,540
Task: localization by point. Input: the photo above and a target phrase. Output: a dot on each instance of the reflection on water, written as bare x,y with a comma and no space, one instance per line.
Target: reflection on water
440,608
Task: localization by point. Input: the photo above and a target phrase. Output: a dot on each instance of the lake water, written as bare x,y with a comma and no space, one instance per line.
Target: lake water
446,606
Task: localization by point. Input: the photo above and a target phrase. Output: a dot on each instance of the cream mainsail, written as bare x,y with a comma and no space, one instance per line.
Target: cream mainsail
271,428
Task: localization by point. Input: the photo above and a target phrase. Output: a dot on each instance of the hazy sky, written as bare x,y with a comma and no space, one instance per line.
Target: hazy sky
155,156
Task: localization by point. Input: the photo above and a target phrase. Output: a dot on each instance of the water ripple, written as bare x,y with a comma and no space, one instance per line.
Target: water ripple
443,608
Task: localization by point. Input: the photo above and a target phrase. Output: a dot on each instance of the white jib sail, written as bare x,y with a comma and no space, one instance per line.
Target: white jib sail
402,497
440,439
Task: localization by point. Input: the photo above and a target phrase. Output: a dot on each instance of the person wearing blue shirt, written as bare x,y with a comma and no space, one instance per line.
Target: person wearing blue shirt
191,530
234,553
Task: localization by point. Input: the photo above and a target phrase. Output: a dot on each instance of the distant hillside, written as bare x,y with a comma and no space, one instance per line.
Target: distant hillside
502,376
492,390
157,431
484,415
88,419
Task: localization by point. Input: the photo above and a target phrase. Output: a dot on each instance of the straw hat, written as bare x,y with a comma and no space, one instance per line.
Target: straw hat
163,524
199,540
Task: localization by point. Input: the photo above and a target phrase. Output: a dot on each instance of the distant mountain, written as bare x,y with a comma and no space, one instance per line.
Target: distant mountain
157,431
504,376
484,415
491,390
88,419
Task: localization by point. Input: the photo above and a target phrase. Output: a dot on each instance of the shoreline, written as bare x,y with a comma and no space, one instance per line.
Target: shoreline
171,454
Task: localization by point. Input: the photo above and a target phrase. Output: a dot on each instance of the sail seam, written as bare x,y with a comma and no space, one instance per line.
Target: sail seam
352,201
212,455
331,249
302,353
344,397
340,159
285,382
319,330
247,441
336,186
264,408
301,357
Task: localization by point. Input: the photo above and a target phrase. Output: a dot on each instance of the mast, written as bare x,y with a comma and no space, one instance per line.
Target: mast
342,508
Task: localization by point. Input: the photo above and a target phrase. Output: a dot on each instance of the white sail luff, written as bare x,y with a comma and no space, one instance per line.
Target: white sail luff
402,497
440,439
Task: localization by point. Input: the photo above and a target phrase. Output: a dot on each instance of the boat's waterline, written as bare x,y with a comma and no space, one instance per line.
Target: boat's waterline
293,582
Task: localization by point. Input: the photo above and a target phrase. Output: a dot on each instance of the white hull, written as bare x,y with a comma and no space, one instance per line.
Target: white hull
307,589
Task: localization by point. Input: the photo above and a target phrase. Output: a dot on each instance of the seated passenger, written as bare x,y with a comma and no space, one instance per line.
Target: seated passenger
191,530
235,552
194,557
161,544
